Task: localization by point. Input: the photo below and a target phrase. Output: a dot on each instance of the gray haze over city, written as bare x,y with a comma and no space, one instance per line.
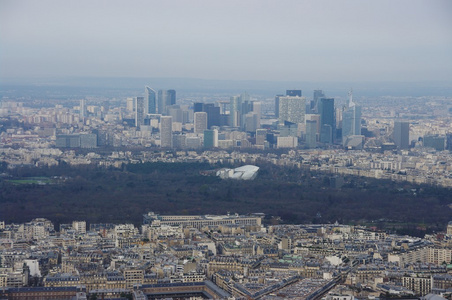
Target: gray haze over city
226,150
312,41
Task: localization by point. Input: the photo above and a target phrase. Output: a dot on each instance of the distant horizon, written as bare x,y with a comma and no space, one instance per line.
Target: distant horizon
267,87
10,80
292,40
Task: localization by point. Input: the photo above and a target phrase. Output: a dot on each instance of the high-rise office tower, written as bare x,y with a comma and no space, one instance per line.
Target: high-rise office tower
198,106
314,117
213,114
176,112
165,99
338,117
224,105
139,111
402,134
130,104
250,122
292,109
234,111
311,133
166,132
351,119
257,108
247,106
82,109
245,97
238,106
318,94
277,105
210,138
200,122
150,101
293,93
327,121
326,134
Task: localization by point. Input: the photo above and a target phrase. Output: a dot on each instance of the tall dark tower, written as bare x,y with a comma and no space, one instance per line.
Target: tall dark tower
198,107
139,111
213,114
277,105
402,134
172,97
327,120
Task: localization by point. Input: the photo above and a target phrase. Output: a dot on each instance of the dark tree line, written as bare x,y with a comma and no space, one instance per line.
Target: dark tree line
114,195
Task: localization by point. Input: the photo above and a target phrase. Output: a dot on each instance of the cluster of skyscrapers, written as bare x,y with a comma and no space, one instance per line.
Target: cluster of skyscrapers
151,104
160,110
319,121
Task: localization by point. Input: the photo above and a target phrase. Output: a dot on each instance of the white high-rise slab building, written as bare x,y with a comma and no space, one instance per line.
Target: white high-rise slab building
82,109
200,122
130,104
292,109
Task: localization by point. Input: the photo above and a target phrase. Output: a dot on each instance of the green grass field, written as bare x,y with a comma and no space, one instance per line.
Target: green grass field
32,180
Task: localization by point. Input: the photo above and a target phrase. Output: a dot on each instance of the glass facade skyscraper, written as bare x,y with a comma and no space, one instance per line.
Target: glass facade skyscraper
165,99
150,101
351,119
327,120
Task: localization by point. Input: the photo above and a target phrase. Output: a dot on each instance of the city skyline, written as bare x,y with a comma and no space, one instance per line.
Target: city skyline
77,174
242,169
401,41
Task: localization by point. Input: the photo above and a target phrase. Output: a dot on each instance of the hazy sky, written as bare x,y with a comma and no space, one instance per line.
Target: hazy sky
400,40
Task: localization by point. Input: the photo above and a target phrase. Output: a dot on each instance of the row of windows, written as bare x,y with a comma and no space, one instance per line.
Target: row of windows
213,223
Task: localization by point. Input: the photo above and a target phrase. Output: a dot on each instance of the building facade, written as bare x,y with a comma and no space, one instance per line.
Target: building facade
292,109
150,101
200,122
166,132
165,99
